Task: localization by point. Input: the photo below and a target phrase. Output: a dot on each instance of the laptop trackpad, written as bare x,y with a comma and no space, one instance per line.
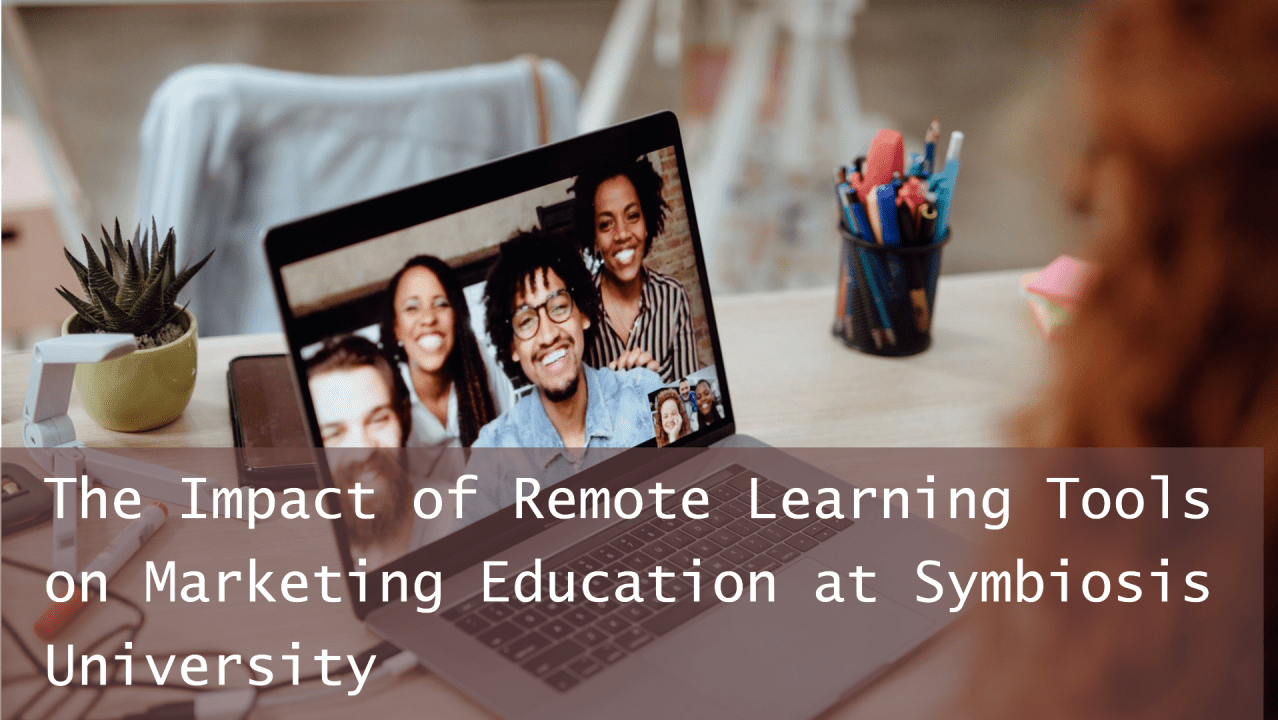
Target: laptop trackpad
795,655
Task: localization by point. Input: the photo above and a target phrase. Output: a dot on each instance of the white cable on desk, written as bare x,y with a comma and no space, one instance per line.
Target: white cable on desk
240,703
393,667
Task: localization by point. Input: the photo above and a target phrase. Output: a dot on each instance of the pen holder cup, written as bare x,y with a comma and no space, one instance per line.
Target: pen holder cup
887,295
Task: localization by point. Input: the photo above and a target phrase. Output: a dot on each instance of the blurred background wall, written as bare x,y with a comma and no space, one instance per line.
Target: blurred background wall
992,68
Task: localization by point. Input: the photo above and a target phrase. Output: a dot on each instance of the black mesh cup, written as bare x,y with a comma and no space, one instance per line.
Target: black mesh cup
887,295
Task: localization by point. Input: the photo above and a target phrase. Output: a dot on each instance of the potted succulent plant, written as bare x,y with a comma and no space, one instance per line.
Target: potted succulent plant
133,289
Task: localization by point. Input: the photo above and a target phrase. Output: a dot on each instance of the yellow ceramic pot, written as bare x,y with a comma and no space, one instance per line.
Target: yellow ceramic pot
142,390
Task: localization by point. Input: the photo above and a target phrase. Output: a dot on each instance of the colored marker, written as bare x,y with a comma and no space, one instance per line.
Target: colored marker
890,234
915,166
943,183
927,222
846,200
916,274
912,193
927,225
862,221
944,195
929,145
60,614
875,273
907,224
876,292
885,198
956,146
872,210
869,324
841,315
871,287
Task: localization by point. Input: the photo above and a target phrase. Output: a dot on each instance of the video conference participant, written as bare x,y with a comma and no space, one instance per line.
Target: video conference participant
646,318
689,401
540,306
426,330
707,406
670,417
363,411
360,401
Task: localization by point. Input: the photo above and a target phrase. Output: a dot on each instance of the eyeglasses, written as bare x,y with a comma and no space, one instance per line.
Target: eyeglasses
527,318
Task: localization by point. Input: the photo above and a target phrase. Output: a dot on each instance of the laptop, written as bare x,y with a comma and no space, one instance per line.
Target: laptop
523,254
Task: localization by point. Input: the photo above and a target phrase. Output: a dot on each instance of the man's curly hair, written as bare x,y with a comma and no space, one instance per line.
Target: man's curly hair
520,260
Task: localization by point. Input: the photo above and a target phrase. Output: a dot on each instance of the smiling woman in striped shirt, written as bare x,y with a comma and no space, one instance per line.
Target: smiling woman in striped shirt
647,317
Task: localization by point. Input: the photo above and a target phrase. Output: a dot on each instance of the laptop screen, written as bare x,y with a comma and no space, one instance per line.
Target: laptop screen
568,315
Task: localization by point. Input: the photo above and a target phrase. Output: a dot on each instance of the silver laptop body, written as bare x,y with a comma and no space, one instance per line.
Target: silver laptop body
782,660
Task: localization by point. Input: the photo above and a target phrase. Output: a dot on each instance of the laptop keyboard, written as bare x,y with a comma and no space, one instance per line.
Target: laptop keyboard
567,643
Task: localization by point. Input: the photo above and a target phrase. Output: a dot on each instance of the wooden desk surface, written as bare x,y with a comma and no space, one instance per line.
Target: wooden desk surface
792,383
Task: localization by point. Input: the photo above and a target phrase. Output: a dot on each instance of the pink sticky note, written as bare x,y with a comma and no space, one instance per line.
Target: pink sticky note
1063,281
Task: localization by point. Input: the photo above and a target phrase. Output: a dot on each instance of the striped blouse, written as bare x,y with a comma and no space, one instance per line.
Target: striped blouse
663,328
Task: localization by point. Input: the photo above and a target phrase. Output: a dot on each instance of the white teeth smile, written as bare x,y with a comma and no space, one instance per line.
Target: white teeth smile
430,343
626,256
554,356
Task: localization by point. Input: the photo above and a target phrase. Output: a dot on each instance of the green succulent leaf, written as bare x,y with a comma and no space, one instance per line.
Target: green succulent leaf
168,252
119,239
88,314
128,296
144,258
155,250
81,272
106,257
148,307
100,280
117,320
133,273
171,292
133,286
173,315
113,256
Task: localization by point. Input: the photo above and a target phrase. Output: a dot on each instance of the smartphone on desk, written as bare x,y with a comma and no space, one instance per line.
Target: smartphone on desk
272,445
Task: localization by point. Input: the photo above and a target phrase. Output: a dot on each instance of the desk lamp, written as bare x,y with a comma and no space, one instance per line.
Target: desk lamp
49,432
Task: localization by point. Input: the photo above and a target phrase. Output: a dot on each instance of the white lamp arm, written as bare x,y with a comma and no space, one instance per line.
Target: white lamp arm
45,424
44,415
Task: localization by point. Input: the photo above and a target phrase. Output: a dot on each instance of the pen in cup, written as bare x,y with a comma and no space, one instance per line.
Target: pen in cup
933,134
894,214
884,333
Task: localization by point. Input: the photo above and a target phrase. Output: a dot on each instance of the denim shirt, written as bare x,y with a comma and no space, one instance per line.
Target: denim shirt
618,415
428,431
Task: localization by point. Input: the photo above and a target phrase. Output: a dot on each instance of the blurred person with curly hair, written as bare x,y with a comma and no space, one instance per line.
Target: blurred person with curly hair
1175,343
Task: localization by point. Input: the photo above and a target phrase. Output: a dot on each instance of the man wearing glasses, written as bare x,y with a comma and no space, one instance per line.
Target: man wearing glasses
540,304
